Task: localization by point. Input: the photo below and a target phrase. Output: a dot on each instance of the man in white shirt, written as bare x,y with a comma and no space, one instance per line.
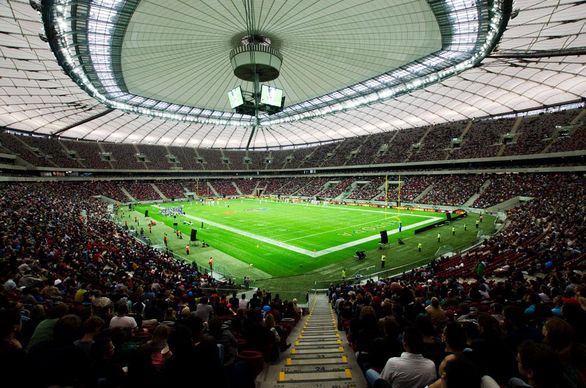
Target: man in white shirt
122,320
411,370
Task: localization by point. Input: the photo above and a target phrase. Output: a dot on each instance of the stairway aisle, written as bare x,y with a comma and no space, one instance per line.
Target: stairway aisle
320,355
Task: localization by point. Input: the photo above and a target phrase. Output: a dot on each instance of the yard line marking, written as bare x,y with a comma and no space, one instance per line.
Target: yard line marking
335,230
303,251
353,210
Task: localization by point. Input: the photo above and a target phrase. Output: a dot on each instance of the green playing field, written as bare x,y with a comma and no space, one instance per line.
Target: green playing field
283,238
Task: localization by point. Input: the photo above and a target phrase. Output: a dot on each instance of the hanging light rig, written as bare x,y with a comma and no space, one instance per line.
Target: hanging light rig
254,60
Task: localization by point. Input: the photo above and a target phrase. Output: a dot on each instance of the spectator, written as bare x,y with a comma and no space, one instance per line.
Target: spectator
409,370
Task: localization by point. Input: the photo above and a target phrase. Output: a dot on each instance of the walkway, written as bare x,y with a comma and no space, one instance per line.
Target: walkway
320,355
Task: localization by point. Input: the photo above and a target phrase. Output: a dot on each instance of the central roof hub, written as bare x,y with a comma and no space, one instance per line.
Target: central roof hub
255,59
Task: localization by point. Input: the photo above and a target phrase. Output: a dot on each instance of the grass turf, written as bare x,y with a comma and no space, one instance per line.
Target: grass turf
310,229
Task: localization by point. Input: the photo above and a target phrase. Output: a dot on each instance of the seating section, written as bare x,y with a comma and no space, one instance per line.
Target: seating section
401,146
14,144
453,190
483,140
212,159
87,271
186,157
438,142
156,157
52,150
496,295
124,156
336,189
171,189
506,186
312,187
87,153
551,132
142,191
247,186
224,187
410,188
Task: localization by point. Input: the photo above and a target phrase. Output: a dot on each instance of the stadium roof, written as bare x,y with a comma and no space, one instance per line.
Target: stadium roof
158,72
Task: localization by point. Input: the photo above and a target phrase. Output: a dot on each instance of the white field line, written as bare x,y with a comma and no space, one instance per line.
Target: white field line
303,251
335,230
354,210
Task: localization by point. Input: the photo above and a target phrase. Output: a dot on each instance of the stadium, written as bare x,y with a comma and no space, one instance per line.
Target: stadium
293,194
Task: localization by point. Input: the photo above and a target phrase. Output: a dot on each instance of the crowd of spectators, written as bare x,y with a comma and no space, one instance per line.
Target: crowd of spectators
141,191
438,142
342,153
401,146
110,189
171,189
84,304
408,190
315,157
236,159
259,160
88,154
337,188
369,190
212,159
453,190
291,186
511,311
156,156
574,141
271,186
313,187
247,186
124,156
14,144
53,150
186,157
369,150
484,138
224,187
506,186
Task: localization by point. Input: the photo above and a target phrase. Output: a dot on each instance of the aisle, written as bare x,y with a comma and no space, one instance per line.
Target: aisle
320,355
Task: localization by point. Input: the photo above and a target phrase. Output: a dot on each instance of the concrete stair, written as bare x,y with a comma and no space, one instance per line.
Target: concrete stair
130,197
158,191
320,356
423,193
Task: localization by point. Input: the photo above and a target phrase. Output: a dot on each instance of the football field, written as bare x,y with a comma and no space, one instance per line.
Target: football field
282,238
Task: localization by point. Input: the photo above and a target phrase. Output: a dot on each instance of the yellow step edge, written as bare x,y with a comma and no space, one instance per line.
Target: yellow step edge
290,361
293,351
344,359
296,343
282,375
341,349
347,373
